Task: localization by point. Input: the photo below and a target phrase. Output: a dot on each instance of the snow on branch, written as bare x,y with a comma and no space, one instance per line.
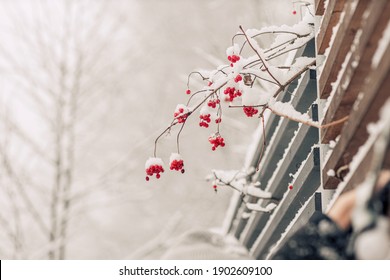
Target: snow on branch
238,180
250,82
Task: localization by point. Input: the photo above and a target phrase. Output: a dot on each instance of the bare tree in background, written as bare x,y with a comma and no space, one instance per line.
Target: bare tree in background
62,83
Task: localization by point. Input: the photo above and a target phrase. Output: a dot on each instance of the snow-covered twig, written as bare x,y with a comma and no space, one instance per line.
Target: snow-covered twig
237,180
304,118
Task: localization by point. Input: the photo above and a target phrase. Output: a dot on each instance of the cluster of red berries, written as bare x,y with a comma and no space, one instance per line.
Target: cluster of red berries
232,92
238,78
180,115
204,120
250,111
177,164
213,103
154,169
216,141
233,59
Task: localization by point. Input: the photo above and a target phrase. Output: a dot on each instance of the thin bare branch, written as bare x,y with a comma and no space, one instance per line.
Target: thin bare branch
260,57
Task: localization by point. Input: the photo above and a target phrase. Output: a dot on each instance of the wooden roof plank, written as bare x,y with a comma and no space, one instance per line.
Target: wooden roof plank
354,132
353,77
319,7
331,17
351,22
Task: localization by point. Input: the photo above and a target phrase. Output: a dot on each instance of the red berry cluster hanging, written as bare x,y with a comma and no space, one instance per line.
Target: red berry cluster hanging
232,92
238,78
176,162
213,103
205,116
154,166
233,59
216,141
204,120
232,52
181,113
250,111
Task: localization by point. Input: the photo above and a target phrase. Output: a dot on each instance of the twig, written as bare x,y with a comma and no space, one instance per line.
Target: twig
255,50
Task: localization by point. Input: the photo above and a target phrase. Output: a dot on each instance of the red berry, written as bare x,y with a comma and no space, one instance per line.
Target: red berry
181,113
250,111
182,171
188,91
238,78
232,93
290,187
153,166
294,12
210,83
216,141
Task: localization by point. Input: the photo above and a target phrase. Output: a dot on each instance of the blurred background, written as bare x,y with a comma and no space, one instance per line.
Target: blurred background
85,88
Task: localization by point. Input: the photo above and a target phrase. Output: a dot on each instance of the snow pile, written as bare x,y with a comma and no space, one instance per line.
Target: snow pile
153,161
255,97
258,208
331,173
233,50
287,110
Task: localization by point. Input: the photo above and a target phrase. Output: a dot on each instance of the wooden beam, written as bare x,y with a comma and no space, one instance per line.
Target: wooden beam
354,133
354,77
330,19
305,184
350,23
319,7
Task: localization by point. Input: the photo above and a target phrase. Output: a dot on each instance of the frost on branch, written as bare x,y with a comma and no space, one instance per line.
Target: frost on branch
251,80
